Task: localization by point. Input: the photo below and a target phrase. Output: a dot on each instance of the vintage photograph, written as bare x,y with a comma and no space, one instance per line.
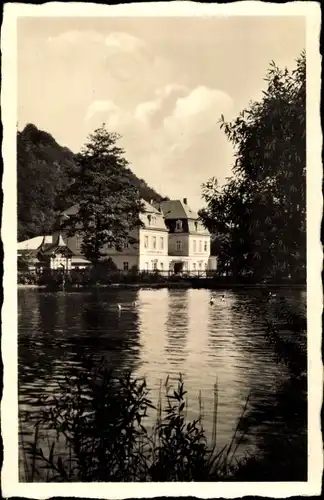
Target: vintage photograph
161,249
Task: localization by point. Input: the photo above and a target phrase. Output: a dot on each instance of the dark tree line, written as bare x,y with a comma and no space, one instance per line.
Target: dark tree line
45,171
259,216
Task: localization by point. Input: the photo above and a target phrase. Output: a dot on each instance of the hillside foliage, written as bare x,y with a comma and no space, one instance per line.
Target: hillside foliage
44,170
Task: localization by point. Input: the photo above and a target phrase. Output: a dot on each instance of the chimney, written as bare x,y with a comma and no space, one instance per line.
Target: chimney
185,201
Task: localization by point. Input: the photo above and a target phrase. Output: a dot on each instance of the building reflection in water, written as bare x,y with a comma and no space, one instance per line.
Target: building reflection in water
164,329
215,358
164,333
153,310
176,329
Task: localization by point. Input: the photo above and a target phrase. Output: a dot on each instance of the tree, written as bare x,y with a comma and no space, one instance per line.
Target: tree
109,204
44,168
25,260
42,172
260,212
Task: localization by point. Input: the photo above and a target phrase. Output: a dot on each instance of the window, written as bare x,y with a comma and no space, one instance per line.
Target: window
145,241
194,245
125,265
178,225
205,246
178,245
200,246
149,219
196,226
161,266
154,242
154,265
206,265
199,265
78,241
194,266
161,242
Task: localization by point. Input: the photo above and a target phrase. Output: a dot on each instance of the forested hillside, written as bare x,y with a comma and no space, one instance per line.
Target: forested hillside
44,169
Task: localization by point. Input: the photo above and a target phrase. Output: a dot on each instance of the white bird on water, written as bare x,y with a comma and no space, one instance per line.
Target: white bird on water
119,308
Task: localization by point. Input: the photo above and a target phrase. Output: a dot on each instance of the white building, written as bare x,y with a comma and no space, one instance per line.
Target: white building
172,238
30,248
148,252
189,241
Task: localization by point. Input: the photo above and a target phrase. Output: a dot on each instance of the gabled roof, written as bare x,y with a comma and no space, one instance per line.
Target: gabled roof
73,210
48,249
150,208
34,243
177,209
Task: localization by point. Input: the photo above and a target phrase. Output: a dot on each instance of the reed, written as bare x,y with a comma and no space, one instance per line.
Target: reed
102,419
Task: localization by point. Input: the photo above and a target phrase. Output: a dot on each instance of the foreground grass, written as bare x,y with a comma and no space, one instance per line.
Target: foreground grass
102,419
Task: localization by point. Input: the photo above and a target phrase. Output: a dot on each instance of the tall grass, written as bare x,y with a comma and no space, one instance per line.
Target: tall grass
103,420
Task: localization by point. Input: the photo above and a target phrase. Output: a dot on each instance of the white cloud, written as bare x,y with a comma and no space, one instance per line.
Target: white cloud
123,41
171,88
145,110
201,98
171,136
107,107
153,112
169,130
197,112
72,40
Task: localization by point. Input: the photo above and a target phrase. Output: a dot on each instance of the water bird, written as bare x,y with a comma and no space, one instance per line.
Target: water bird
119,308
272,295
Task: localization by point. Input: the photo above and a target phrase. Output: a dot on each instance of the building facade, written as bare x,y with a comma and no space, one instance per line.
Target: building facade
189,241
172,238
147,249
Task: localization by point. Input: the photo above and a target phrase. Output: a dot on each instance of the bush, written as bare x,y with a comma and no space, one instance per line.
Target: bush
102,419
28,277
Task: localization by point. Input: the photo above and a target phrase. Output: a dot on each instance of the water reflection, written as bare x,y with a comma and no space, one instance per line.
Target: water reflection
67,329
176,328
163,333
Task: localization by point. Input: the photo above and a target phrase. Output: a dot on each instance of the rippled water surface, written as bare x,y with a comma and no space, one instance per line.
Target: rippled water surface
166,332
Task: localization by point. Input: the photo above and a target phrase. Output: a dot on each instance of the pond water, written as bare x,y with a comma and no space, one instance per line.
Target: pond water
165,332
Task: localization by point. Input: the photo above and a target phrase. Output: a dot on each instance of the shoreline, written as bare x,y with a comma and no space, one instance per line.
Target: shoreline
180,285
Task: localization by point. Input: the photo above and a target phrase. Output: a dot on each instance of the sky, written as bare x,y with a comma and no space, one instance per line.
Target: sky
162,83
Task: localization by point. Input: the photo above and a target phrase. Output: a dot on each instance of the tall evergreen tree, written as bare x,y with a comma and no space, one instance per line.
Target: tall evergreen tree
109,204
